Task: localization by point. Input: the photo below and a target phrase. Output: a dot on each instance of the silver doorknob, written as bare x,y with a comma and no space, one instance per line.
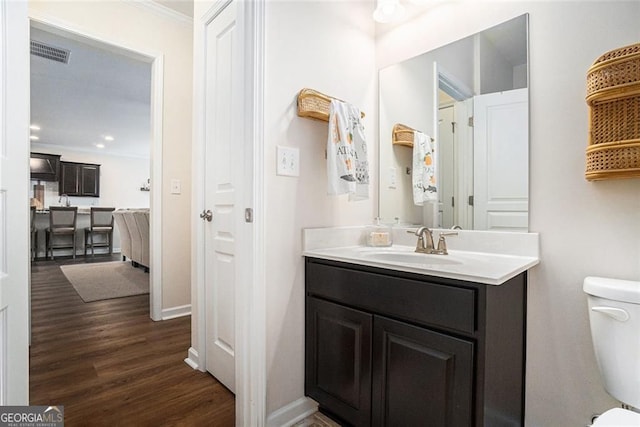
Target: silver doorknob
208,215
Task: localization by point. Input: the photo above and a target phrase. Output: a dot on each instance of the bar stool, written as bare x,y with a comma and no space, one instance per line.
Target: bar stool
62,223
101,223
34,234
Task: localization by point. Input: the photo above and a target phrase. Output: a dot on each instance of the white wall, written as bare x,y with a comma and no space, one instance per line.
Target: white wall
140,28
586,228
496,74
404,98
327,46
407,96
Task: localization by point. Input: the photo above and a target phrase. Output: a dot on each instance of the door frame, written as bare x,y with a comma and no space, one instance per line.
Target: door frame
14,205
250,291
156,59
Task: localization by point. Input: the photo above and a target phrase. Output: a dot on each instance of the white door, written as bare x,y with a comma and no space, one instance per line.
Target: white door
14,204
446,166
501,161
223,193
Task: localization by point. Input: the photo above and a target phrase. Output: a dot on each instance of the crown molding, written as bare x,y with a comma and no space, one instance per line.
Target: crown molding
162,10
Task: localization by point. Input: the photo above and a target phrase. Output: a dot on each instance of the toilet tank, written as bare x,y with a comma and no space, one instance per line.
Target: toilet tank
614,315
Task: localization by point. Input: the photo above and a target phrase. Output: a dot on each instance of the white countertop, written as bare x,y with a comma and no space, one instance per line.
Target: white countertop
82,210
485,257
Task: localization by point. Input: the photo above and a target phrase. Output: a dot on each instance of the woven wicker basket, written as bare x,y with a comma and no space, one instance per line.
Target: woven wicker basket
402,135
314,104
613,96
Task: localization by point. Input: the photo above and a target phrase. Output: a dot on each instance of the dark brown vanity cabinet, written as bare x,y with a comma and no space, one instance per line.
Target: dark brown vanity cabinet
79,179
386,348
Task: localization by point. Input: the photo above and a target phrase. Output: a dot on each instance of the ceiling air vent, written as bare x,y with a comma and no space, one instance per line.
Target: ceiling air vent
49,52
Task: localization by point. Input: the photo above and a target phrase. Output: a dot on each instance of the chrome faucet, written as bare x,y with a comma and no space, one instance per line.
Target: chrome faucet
425,245
66,197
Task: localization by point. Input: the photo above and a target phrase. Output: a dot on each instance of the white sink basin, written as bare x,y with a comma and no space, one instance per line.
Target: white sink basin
487,257
410,258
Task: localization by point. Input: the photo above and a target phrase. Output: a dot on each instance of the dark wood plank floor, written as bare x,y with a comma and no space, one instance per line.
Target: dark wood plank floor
109,364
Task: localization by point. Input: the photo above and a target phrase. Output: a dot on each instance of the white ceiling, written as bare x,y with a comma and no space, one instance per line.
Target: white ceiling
100,92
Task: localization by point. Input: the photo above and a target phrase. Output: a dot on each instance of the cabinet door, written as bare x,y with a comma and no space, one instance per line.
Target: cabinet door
69,179
90,180
338,360
420,377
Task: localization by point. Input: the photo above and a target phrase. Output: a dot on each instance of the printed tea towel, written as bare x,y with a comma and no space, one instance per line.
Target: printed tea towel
347,163
424,170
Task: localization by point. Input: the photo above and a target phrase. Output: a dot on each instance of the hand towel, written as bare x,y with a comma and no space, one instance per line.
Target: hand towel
424,170
347,163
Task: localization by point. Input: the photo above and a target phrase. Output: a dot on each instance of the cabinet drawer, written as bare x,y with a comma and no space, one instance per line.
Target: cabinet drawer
417,301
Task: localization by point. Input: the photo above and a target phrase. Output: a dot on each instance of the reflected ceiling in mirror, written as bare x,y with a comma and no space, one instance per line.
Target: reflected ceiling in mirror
470,98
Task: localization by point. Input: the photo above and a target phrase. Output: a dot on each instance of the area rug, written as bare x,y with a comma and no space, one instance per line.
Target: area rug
106,280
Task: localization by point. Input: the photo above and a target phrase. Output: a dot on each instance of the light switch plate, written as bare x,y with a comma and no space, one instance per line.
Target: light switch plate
176,186
393,177
288,161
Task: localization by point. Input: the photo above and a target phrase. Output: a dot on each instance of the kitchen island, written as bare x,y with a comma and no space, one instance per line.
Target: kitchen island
83,221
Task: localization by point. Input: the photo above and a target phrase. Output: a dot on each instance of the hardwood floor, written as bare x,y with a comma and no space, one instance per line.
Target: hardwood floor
109,364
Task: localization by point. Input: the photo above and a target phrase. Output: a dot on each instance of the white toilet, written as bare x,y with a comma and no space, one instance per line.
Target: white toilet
614,314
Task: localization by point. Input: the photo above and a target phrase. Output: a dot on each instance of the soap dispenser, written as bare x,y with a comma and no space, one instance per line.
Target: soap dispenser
378,235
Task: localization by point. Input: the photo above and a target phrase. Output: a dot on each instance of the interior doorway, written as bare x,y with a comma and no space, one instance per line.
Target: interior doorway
91,55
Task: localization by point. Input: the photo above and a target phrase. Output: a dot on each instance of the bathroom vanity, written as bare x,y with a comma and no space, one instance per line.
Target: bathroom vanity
388,346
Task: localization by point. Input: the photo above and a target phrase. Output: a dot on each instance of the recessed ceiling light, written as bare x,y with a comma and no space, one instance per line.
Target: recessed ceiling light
34,127
100,145
108,138
34,138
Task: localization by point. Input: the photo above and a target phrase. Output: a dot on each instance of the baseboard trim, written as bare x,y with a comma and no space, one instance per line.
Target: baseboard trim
173,312
290,414
193,359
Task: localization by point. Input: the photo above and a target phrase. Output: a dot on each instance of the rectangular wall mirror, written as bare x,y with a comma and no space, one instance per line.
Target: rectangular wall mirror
471,97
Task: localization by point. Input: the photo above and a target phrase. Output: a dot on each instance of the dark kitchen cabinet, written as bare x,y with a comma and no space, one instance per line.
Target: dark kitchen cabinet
79,179
388,348
44,167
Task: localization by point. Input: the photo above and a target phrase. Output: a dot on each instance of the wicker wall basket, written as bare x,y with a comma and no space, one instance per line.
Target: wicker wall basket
613,96
402,135
315,105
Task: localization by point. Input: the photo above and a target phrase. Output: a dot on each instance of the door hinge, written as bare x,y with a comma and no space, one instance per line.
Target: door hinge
248,215
470,121
453,202
470,200
453,127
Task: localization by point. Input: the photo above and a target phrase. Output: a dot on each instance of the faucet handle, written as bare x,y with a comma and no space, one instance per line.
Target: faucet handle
442,244
420,242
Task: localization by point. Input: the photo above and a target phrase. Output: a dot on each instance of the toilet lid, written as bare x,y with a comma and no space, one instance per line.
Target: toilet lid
618,417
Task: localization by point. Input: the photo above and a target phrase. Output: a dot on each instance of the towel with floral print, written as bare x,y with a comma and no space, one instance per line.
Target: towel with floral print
424,170
347,162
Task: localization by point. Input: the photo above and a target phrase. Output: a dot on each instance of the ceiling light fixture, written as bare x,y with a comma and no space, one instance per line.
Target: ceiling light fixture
108,138
34,127
34,138
388,11
99,145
